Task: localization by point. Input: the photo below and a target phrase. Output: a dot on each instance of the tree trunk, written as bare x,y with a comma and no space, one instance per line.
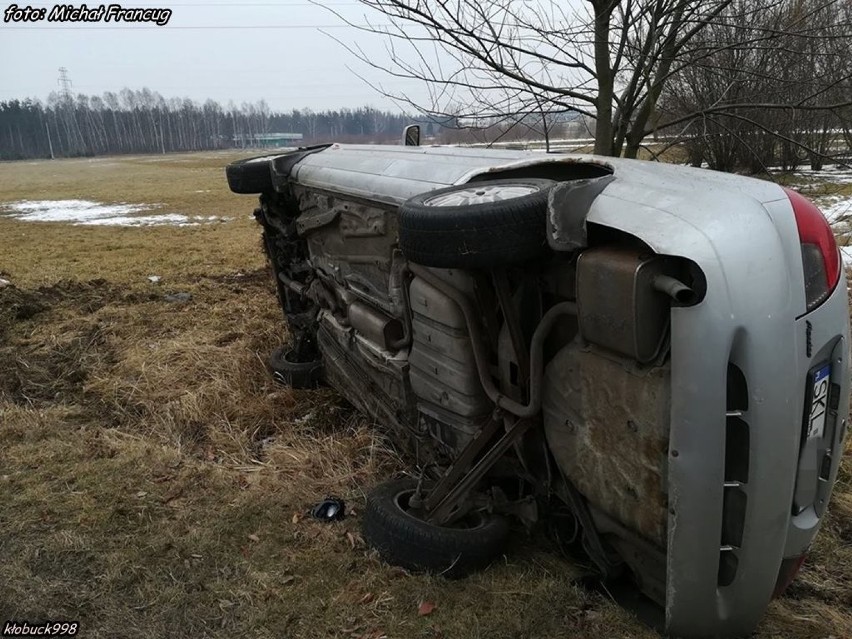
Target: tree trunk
603,103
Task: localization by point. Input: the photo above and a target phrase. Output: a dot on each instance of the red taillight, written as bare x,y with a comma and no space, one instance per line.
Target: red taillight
820,256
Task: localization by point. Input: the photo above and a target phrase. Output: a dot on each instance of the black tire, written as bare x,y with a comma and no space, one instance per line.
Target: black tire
404,540
476,235
298,375
251,175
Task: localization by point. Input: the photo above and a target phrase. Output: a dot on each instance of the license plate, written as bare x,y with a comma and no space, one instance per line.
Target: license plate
819,401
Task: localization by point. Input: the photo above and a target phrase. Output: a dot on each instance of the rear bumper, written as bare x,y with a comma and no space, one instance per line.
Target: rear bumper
736,460
819,460
749,321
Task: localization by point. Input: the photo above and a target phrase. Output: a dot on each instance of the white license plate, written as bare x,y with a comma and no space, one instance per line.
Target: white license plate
819,402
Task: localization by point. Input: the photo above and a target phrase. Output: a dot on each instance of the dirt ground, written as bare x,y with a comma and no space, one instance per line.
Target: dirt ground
154,480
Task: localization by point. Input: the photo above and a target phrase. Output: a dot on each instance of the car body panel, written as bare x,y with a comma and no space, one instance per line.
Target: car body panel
741,234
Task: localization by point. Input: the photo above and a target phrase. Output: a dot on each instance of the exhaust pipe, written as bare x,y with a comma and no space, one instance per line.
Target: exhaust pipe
675,289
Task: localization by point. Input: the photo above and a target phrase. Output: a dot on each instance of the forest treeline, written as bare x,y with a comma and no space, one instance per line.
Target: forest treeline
144,122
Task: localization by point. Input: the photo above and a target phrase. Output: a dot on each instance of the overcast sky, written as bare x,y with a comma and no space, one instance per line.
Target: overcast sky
270,49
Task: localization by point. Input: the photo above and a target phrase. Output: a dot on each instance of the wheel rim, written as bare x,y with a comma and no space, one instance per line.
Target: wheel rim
470,521
480,194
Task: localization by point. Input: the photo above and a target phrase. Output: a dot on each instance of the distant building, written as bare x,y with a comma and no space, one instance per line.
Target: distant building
264,140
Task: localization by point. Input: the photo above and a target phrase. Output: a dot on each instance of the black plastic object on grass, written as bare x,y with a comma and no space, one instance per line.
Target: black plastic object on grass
329,509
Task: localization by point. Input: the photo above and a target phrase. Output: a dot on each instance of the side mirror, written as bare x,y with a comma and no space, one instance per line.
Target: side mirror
411,135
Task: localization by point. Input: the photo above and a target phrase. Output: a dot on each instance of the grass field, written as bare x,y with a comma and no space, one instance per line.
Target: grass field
154,481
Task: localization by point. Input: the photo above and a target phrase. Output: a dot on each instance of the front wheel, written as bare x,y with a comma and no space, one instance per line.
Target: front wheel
288,370
403,539
251,175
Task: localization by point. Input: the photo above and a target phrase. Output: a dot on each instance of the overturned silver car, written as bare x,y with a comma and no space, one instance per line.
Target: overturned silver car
659,350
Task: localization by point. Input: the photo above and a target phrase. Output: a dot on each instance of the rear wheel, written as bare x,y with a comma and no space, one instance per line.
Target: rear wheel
476,225
403,539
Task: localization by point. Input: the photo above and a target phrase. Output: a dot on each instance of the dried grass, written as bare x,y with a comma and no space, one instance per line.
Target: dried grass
154,480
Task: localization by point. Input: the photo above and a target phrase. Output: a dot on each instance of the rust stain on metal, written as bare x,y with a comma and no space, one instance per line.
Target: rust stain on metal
607,423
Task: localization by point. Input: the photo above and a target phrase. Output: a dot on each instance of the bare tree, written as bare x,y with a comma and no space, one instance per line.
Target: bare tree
609,60
808,72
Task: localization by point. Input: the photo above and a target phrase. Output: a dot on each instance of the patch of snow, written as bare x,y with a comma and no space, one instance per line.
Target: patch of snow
846,252
74,211
88,213
175,219
837,210
833,174
841,174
